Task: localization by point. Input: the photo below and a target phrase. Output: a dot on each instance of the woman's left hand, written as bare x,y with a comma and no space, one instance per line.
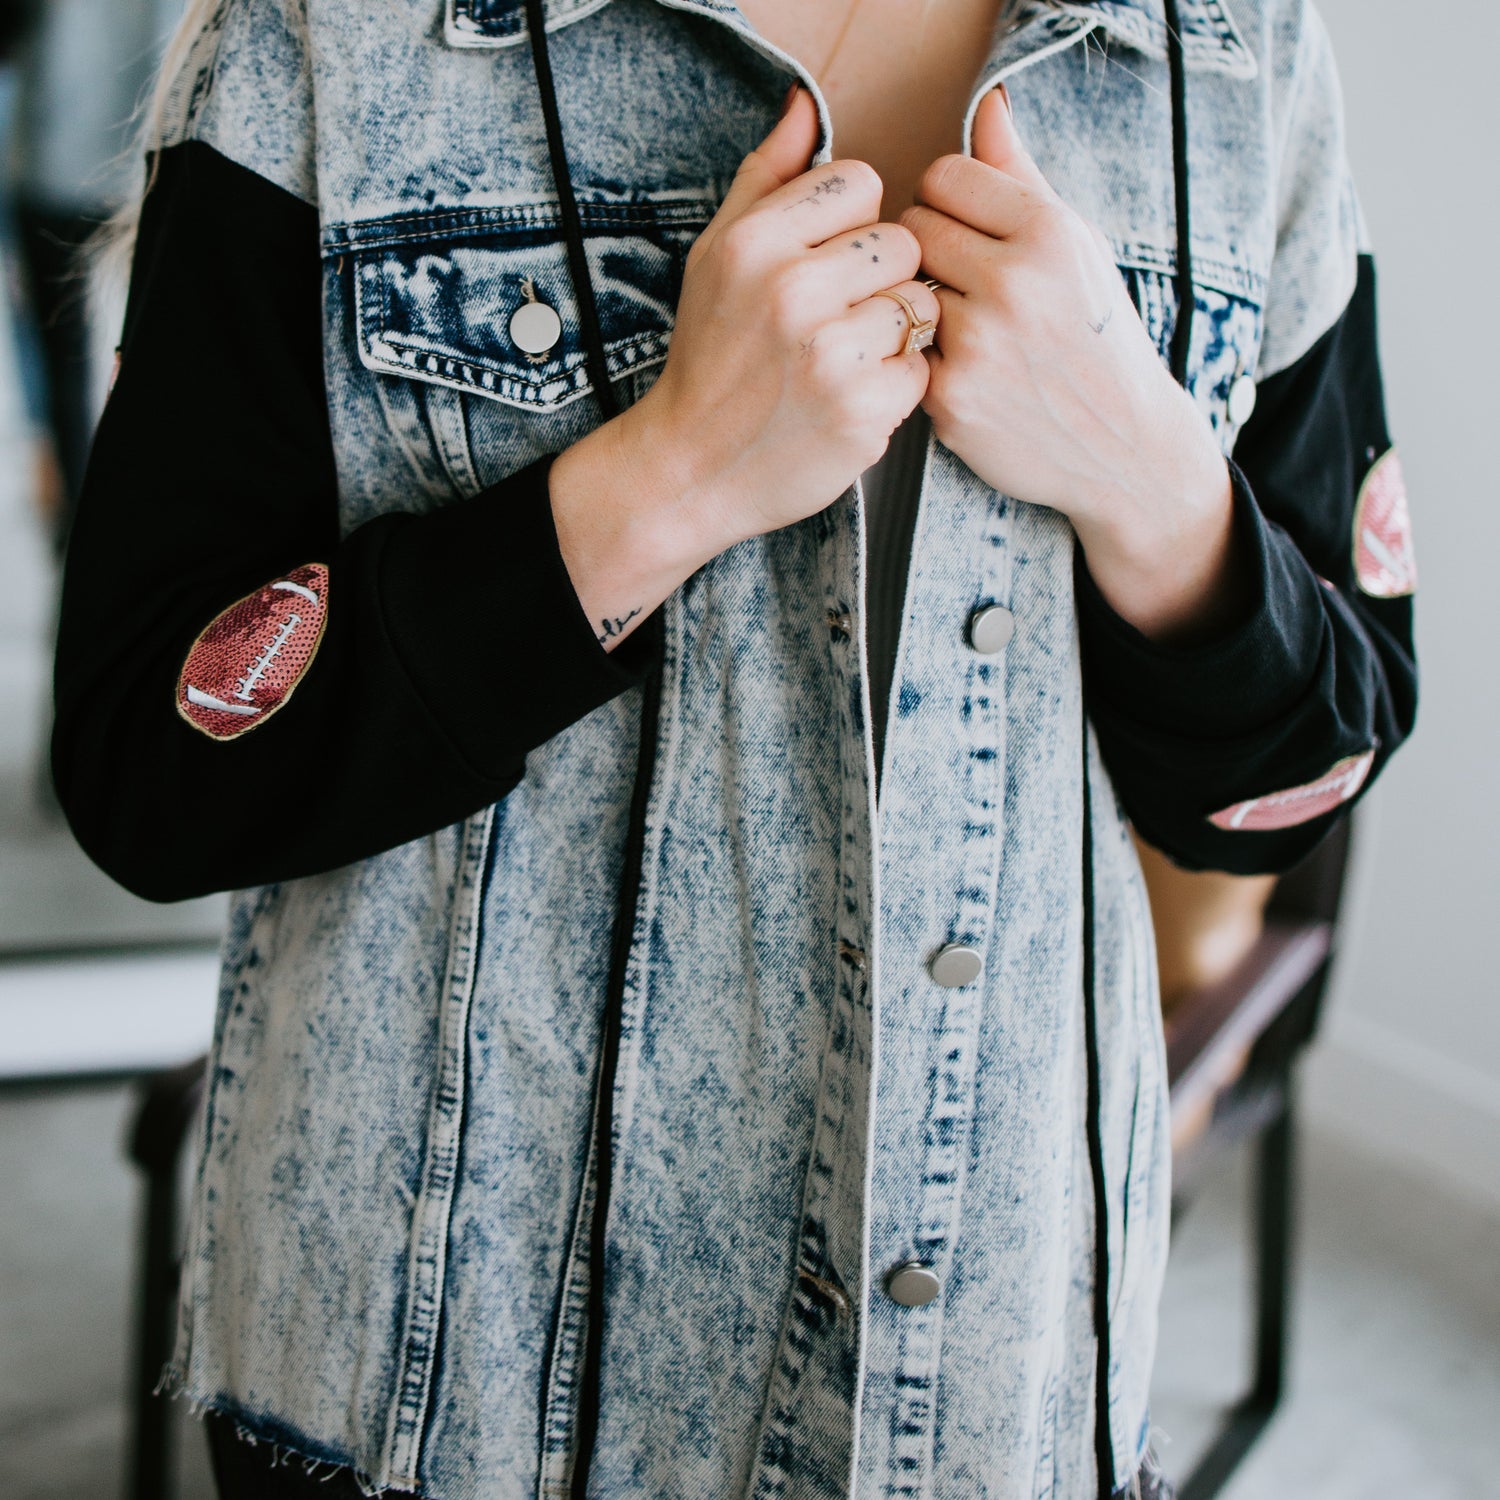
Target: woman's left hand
1046,383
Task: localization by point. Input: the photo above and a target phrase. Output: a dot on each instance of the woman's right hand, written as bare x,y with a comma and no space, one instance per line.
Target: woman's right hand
784,380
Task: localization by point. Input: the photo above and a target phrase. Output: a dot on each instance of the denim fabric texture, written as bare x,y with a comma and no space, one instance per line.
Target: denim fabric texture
387,1268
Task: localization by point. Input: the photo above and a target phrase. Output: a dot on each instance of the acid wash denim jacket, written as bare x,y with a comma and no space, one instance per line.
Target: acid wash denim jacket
391,1262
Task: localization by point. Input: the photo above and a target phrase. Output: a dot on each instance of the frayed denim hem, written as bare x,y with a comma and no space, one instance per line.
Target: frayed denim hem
285,1446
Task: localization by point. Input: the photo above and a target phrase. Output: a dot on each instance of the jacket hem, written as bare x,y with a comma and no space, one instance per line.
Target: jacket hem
264,1430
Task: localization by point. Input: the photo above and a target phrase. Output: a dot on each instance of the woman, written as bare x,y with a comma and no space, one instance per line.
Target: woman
602,1100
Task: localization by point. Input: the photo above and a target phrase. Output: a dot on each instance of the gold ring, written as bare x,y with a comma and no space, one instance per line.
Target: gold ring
922,330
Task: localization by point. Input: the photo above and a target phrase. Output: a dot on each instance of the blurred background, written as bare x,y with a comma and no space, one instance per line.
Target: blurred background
1364,1243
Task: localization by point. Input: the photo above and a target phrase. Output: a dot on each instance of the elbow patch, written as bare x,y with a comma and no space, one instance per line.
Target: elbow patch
248,661
1298,804
1384,562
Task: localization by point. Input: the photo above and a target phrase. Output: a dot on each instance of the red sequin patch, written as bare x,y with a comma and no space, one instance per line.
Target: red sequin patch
244,666
1384,562
1298,804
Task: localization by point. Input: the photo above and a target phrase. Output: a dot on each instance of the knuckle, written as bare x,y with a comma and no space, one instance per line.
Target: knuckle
911,219
750,161
781,314
787,300
860,175
966,343
907,244
1052,217
827,373
941,174
739,244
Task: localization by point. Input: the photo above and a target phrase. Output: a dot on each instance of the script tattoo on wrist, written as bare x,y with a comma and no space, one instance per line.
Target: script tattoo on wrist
616,626
1103,322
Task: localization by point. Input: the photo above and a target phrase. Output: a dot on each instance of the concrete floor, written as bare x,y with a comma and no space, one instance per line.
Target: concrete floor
1395,1387
1395,1362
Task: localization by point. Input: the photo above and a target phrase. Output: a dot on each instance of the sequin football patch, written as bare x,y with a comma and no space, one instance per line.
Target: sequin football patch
248,661
1298,804
1384,562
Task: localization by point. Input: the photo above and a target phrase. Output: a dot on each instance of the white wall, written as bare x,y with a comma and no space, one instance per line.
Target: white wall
1410,1055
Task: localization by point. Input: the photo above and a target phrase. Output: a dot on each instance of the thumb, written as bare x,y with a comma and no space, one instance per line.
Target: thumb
781,156
997,142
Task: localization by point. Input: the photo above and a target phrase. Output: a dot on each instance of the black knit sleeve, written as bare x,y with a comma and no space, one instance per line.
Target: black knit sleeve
243,695
1239,753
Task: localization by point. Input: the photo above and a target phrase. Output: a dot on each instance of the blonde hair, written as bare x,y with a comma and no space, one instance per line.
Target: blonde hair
105,257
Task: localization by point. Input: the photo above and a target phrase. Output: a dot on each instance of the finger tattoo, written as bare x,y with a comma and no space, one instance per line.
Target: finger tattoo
824,188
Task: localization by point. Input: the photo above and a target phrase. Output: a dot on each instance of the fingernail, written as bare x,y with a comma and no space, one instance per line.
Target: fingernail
786,104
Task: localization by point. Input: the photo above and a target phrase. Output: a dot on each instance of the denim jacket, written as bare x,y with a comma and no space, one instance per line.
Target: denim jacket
851,1183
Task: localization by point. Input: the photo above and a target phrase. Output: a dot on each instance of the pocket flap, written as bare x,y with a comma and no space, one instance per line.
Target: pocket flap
436,292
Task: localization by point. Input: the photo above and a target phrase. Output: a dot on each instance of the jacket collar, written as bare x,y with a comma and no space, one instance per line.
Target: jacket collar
1211,39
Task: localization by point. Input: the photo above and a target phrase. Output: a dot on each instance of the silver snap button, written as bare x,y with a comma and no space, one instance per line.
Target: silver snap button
955,964
535,327
1241,400
912,1284
991,628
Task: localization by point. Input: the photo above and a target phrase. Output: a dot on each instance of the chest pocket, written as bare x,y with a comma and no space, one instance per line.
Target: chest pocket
1228,326
469,319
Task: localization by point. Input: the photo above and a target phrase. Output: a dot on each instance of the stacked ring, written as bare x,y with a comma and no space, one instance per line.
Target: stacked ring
921,332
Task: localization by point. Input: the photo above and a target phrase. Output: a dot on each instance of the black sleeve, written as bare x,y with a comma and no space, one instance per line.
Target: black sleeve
1239,753
206,579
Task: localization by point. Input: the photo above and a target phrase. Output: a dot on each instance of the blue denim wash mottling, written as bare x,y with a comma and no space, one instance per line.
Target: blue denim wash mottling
388,1259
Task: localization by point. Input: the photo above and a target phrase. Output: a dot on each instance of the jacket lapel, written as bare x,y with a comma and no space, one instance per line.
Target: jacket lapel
1211,41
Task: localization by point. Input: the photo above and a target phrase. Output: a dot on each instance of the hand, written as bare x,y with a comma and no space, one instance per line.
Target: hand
784,381
1046,383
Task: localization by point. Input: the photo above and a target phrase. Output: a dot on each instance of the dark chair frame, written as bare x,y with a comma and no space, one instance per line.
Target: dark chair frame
1271,1004
169,1103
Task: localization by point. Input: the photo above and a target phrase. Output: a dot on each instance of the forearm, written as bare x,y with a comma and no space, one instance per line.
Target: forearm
1235,750
626,523
421,657
1166,555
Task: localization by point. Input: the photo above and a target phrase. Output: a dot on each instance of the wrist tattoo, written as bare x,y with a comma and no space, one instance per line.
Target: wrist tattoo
1103,322
615,627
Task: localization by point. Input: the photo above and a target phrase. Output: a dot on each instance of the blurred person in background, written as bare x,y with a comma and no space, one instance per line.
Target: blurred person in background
16,23
80,71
